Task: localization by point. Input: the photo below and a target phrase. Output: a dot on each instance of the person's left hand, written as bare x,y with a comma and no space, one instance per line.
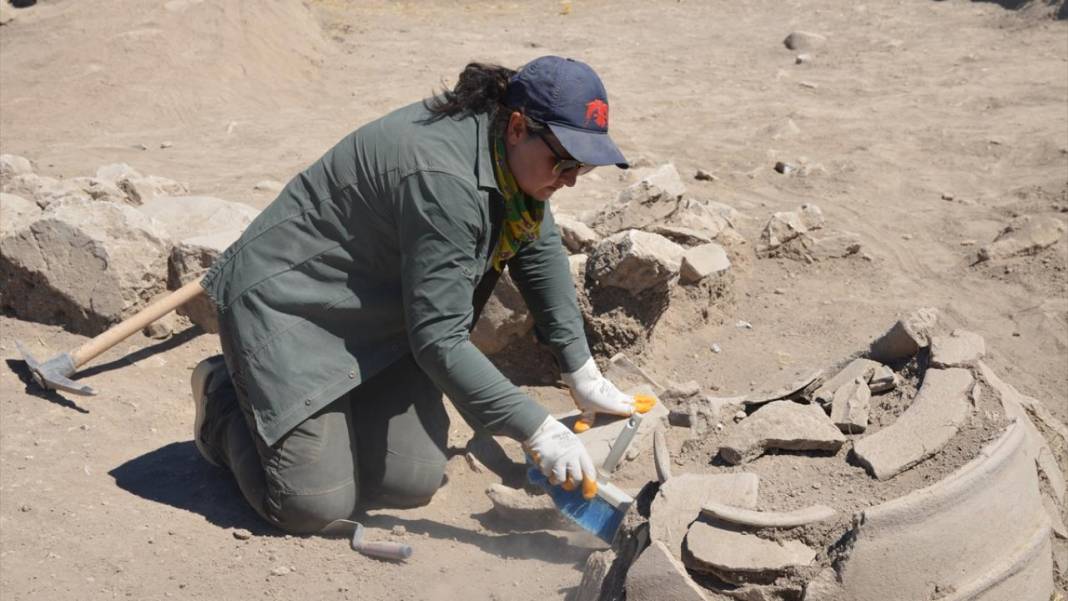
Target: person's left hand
593,393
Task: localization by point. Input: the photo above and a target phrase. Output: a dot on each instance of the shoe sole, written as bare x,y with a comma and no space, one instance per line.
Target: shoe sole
198,380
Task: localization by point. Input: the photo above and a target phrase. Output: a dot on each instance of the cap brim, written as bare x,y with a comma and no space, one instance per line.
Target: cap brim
589,147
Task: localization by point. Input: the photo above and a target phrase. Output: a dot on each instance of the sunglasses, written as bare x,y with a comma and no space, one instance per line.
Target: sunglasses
565,164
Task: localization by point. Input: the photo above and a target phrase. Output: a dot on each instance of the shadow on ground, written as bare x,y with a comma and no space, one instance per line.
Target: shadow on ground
176,475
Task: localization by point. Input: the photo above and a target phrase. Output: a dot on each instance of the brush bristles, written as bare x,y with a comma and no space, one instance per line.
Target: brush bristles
595,515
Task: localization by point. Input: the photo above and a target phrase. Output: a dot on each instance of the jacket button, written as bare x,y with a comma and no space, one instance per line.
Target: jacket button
352,375
307,401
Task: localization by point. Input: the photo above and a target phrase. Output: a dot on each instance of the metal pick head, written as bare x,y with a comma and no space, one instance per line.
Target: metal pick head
52,374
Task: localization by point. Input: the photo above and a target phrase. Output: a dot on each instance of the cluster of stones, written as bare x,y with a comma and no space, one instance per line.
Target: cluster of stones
626,259
88,252
704,538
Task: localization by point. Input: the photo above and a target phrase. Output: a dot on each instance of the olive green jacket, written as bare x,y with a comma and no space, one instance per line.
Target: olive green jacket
373,252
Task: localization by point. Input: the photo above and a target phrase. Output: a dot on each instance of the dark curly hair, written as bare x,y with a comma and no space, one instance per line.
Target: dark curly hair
480,88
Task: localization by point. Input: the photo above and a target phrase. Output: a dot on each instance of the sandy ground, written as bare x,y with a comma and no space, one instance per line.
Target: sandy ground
935,123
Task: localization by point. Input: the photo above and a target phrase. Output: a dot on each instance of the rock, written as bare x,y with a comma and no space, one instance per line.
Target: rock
577,265
857,368
201,228
824,587
940,407
663,184
162,328
804,41
705,176
1026,235
521,509
576,235
634,261
905,338
711,218
781,228
189,259
835,246
741,558
593,575
850,406
791,389
242,534
86,264
280,571
145,189
185,217
679,501
676,391
960,349
705,412
784,168
16,212
882,380
803,58
504,319
702,261
12,165
681,235
782,425
657,575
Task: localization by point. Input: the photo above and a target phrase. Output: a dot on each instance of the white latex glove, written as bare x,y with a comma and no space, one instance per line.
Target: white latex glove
559,453
594,393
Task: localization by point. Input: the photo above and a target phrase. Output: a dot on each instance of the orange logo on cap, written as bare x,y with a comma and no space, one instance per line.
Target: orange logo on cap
597,110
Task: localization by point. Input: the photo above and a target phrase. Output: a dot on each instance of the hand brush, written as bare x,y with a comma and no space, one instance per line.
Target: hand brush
600,515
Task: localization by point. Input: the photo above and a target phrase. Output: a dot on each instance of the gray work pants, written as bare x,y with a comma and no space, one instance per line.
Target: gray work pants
382,443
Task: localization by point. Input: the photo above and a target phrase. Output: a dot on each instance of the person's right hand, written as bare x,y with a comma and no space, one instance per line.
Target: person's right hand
561,456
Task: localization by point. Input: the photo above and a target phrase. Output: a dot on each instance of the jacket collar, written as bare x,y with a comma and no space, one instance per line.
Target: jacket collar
484,168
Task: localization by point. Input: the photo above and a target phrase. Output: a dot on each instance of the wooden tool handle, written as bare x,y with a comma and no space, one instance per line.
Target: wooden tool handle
121,331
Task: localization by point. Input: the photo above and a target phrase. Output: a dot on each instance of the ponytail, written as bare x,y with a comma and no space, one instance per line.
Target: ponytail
479,89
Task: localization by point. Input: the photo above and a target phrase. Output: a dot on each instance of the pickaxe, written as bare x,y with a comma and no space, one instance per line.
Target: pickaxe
55,373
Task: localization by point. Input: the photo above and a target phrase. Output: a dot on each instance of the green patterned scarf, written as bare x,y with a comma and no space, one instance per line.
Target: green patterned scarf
522,214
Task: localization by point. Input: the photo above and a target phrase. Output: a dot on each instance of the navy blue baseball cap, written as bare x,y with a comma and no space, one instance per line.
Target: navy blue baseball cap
567,95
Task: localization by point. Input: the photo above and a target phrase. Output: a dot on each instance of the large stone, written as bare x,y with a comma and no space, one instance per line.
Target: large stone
643,204
186,217
522,509
663,184
940,407
200,228
16,212
115,171
959,349
657,576
84,264
1026,235
739,558
702,261
504,319
905,338
709,218
12,165
598,564
680,500
781,228
834,246
635,261
850,406
782,425
681,235
576,235
44,191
